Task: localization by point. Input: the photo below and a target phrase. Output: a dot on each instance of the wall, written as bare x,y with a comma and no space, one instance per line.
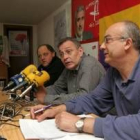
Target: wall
3,66
35,44
1,28
46,27
44,31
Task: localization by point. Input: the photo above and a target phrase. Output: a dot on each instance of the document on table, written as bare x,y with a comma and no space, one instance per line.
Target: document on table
47,130
80,136
32,129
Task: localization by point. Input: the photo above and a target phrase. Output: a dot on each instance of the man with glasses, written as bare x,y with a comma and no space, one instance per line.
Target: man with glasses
120,88
82,74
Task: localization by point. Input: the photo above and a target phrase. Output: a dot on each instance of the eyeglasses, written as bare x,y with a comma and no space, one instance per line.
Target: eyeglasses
108,40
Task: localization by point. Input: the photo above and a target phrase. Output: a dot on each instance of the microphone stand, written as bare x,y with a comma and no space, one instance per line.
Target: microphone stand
24,92
19,86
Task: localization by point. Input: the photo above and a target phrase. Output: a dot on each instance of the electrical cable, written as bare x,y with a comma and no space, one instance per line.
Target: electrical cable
10,110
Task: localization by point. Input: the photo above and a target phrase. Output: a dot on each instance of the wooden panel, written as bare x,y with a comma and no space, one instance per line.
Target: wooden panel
3,70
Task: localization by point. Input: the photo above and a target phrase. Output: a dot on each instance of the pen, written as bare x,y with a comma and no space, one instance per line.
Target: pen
40,110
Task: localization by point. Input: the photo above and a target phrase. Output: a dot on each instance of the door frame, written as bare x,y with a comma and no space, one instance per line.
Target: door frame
29,29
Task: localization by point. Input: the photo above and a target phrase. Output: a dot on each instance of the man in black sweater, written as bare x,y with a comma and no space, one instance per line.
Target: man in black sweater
49,62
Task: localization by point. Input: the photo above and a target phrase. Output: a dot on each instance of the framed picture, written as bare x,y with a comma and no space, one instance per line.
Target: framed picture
18,43
85,20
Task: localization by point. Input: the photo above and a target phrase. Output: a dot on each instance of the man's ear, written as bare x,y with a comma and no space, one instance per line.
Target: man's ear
81,51
128,43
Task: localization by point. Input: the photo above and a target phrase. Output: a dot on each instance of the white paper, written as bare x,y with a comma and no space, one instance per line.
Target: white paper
47,130
81,136
32,129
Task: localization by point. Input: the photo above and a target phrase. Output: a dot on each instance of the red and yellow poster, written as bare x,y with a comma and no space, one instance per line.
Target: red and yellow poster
85,20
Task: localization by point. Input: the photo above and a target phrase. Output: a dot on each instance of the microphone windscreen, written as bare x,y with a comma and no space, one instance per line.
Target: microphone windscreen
41,77
35,79
29,69
30,77
18,78
27,81
14,81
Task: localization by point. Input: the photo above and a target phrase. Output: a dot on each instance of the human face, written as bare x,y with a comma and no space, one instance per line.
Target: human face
114,44
80,21
70,54
45,56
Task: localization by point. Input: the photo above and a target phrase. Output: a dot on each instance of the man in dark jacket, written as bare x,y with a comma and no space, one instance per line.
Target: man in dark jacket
49,62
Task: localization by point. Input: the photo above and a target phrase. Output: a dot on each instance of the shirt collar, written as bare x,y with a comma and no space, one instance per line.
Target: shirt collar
132,77
78,67
136,71
79,38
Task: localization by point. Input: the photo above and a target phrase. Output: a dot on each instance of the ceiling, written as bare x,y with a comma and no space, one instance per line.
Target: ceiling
27,11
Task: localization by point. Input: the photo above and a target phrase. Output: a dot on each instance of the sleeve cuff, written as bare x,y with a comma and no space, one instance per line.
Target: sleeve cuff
98,127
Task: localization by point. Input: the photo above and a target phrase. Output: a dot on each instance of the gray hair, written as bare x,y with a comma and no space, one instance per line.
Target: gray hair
132,31
74,40
79,8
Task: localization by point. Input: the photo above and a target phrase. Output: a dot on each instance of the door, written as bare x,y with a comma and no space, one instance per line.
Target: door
20,40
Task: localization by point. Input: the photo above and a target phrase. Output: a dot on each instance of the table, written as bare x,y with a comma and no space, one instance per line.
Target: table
14,133
8,131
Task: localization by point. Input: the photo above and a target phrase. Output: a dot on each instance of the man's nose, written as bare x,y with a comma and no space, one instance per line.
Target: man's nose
42,57
102,47
65,56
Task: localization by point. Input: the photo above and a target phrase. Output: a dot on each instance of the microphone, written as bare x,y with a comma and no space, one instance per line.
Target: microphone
39,78
18,78
27,80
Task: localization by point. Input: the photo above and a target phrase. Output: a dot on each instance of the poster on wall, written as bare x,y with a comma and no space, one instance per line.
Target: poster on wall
18,43
59,27
85,20
91,49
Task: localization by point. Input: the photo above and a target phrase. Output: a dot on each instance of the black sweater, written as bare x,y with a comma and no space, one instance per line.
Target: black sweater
54,69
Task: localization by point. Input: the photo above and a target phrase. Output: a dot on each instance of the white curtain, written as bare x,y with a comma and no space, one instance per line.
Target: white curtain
5,52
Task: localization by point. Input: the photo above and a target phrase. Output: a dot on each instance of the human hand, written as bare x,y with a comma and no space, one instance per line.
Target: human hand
66,121
49,113
35,108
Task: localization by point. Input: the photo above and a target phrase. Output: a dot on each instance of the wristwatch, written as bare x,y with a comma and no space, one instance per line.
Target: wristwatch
80,124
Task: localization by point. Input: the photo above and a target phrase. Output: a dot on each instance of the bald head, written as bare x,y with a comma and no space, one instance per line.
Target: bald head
126,29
